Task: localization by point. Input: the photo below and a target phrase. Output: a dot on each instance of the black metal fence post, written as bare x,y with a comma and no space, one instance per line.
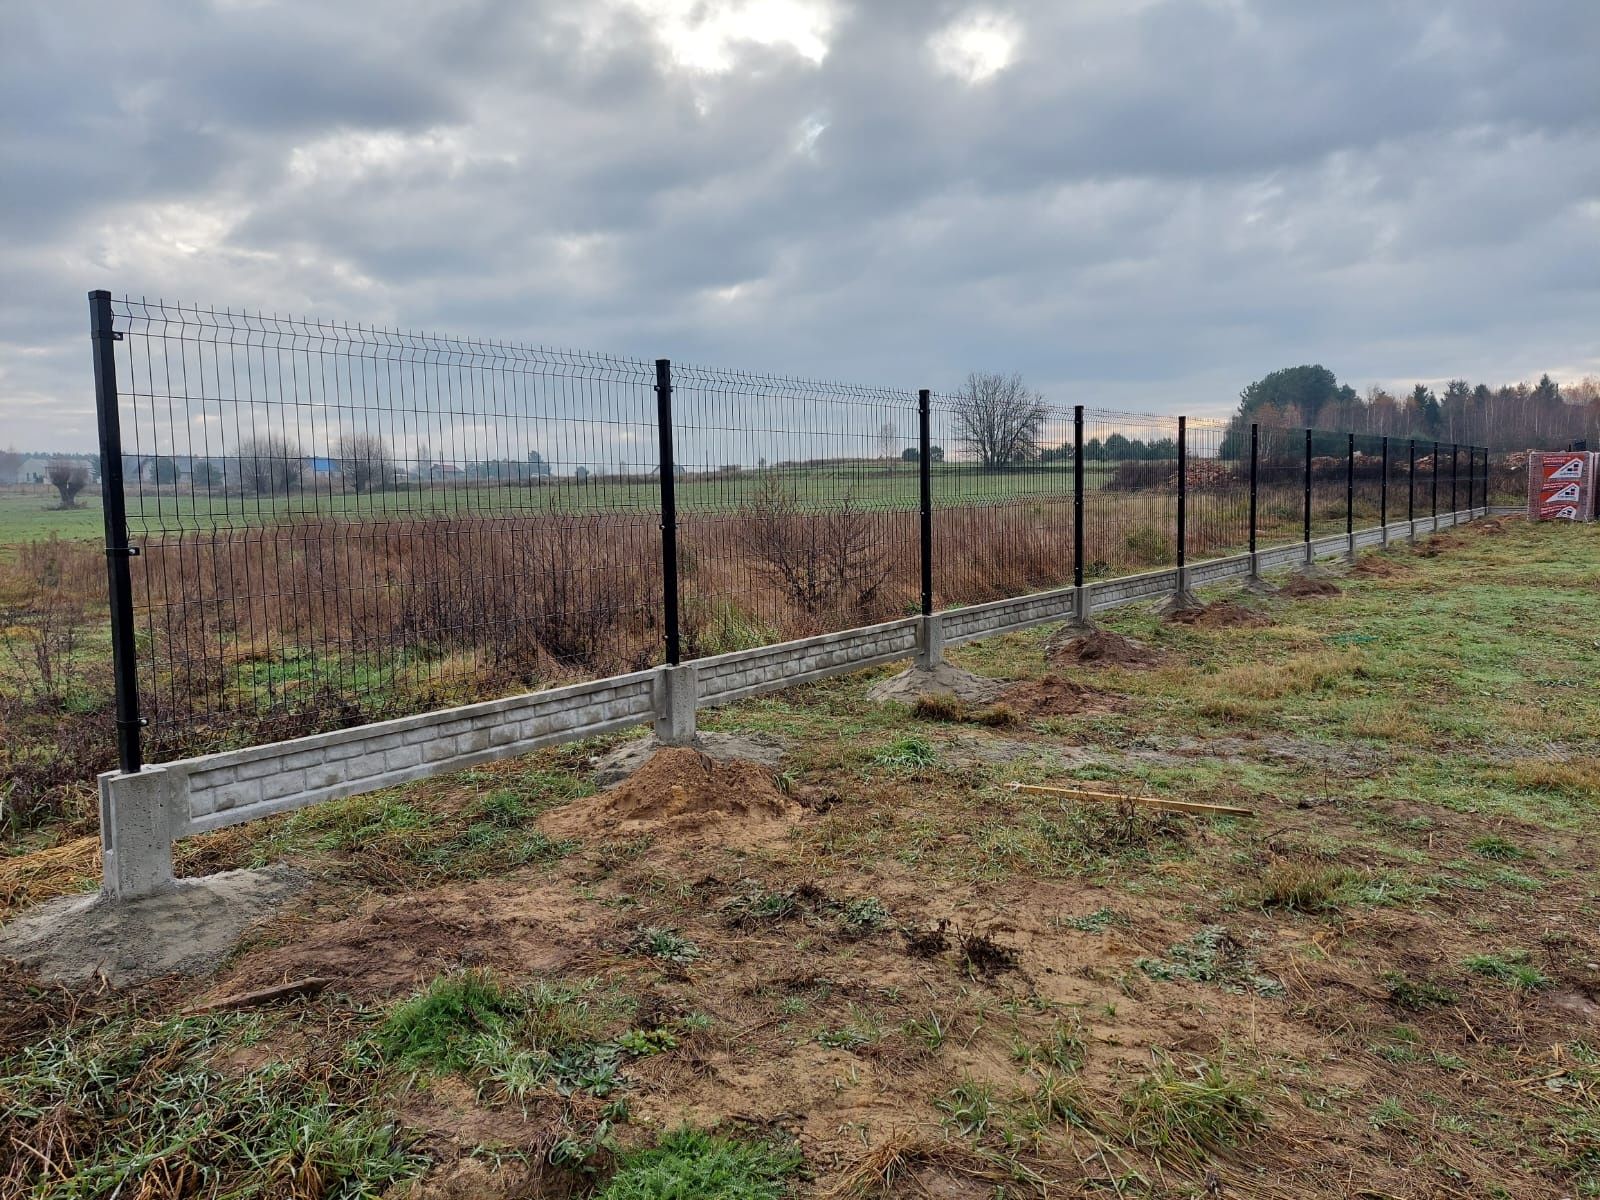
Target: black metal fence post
1383,493
1307,520
1183,506
1455,459
925,498
1411,487
113,503
1077,512
1350,495
1435,496
1255,459
669,511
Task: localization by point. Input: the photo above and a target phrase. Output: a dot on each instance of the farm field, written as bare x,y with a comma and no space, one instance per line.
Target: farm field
872,969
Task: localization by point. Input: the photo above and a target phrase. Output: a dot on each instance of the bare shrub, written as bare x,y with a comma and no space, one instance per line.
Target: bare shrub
820,560
364,462
68,478
269,465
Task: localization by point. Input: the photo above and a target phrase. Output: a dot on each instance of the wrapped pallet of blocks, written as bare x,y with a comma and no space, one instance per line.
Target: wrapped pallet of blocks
1561,485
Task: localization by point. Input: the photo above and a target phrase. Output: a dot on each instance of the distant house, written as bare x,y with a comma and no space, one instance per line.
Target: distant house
318,465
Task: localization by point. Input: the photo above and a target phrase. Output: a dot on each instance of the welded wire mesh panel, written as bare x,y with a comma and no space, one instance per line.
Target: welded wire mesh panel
1369,478
797,507
1280,485
1329,455
1430,467
1001,466
338,522
1131,492
1218,489
1399,478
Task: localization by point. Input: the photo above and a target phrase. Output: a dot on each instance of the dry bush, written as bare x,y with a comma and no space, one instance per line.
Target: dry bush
821,561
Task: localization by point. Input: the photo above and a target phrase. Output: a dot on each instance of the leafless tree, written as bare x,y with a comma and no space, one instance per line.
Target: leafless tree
269,465
68,478
887,441
10,463
999,419
821,560
364,462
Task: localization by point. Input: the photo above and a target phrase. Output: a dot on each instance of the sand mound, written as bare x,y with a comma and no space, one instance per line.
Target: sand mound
1299,586
910,685
683,793
1224,614
185,931
1055,695
1103,648
764,749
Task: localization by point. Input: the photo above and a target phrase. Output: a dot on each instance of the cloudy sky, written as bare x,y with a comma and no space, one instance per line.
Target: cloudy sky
1137,204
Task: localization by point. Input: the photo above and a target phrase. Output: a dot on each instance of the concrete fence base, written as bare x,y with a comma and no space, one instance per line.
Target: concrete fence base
142,814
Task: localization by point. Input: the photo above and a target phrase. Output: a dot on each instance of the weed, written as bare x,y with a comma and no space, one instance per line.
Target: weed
932,1030
1512,969
1415,994
1303,887
1212,956
1168,1112
668,945
1492,845
927,943
754,905
1093,922
905,754
969,1106
982,955
1388,1113
863,916
693,1165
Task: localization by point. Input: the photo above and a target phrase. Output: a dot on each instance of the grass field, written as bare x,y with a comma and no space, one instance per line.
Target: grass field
33,513
911,980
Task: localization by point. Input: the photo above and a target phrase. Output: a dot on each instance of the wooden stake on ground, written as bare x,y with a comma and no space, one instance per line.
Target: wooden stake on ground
1186,806
309,986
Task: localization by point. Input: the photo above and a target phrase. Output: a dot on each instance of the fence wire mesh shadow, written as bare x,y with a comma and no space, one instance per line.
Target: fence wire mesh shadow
336,524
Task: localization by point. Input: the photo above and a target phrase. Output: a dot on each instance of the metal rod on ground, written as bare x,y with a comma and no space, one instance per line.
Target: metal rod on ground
1255,458
113,504
669,510
925,498
1187,806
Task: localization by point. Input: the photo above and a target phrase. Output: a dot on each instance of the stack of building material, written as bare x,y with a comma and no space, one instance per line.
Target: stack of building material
1561,485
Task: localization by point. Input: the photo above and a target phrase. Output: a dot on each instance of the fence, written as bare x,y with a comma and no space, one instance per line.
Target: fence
336,545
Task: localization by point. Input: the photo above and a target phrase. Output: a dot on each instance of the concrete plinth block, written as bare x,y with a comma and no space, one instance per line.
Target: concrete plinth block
676,696
930,642
140,817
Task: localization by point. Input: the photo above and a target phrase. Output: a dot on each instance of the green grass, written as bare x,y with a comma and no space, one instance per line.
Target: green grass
1188,1115
137,1104
693,1165
29,516
1513,968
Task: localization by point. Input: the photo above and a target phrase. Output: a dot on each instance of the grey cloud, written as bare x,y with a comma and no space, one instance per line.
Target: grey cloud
1150,206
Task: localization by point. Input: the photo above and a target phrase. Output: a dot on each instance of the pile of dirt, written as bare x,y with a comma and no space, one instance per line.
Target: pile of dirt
1432,547
1055,695
1103,648
764,748
1224,614
683,794
912,684
1378,567
1299,586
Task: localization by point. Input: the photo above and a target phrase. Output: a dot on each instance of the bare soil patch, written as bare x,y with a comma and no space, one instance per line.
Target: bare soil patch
684,794
1103,648
764,749
1300,586
1224,614
1056,695
915,683
1378,566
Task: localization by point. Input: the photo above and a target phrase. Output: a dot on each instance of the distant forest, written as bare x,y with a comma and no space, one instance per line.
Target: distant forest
1506,418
